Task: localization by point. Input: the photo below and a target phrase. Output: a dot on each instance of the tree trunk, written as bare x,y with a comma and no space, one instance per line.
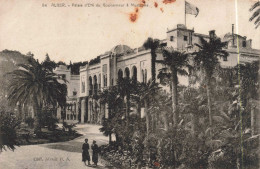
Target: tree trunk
209,100
147,117
153,69
174,97
37,113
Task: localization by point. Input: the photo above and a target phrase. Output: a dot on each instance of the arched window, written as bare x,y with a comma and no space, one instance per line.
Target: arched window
134,73
127,72
90,85
120,74
95,84
99,81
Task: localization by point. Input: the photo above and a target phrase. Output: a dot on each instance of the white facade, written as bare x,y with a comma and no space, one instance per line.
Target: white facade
122,60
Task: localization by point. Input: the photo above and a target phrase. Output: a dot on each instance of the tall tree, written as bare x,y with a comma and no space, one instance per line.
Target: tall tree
48,64
207,59
125,88
147,91
152,44
256,14
32,84
175,62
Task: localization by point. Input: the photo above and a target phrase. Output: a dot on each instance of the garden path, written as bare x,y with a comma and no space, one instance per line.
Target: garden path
65,155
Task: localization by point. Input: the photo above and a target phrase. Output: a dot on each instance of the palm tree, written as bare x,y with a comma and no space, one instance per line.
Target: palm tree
192,103
255,14
110,97
147,91
125,87
34,85
152,44
175,62
206,59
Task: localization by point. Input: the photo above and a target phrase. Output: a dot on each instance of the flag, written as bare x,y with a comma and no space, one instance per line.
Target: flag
191,9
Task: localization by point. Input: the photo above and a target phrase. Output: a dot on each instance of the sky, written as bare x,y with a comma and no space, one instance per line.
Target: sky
81,33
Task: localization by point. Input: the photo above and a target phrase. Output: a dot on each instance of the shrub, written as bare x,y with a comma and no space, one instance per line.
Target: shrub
47,119
69,127
8,125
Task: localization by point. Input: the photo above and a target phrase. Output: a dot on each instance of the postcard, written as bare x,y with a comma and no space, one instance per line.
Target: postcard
129,84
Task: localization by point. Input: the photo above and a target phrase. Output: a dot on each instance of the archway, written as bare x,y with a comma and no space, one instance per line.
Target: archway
127,72
90,85
120,74
134,73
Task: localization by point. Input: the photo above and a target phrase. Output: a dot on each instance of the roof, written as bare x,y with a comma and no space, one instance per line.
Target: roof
228,35
201,35
121,49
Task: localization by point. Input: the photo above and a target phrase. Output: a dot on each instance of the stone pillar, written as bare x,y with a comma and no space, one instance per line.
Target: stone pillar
59,113
83,109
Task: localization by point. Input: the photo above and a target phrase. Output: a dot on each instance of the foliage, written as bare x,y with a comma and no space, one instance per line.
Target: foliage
208,55
8,127
206,60
94,61
48,119
34,85
152,44
256,14
75,67
61,63
48,64
68,127
175,63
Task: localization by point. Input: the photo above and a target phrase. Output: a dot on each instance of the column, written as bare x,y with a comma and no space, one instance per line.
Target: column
83,109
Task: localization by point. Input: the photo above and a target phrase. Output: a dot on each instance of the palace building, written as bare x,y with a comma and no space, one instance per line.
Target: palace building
123,61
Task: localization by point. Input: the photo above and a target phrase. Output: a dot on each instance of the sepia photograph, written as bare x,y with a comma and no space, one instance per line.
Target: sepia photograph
129,84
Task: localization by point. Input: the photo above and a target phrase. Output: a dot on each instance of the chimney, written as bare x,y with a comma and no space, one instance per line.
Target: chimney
212,34
233,37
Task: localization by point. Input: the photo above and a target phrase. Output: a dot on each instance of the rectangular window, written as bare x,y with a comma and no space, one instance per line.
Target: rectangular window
244,44
172,38
105,68
185,38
